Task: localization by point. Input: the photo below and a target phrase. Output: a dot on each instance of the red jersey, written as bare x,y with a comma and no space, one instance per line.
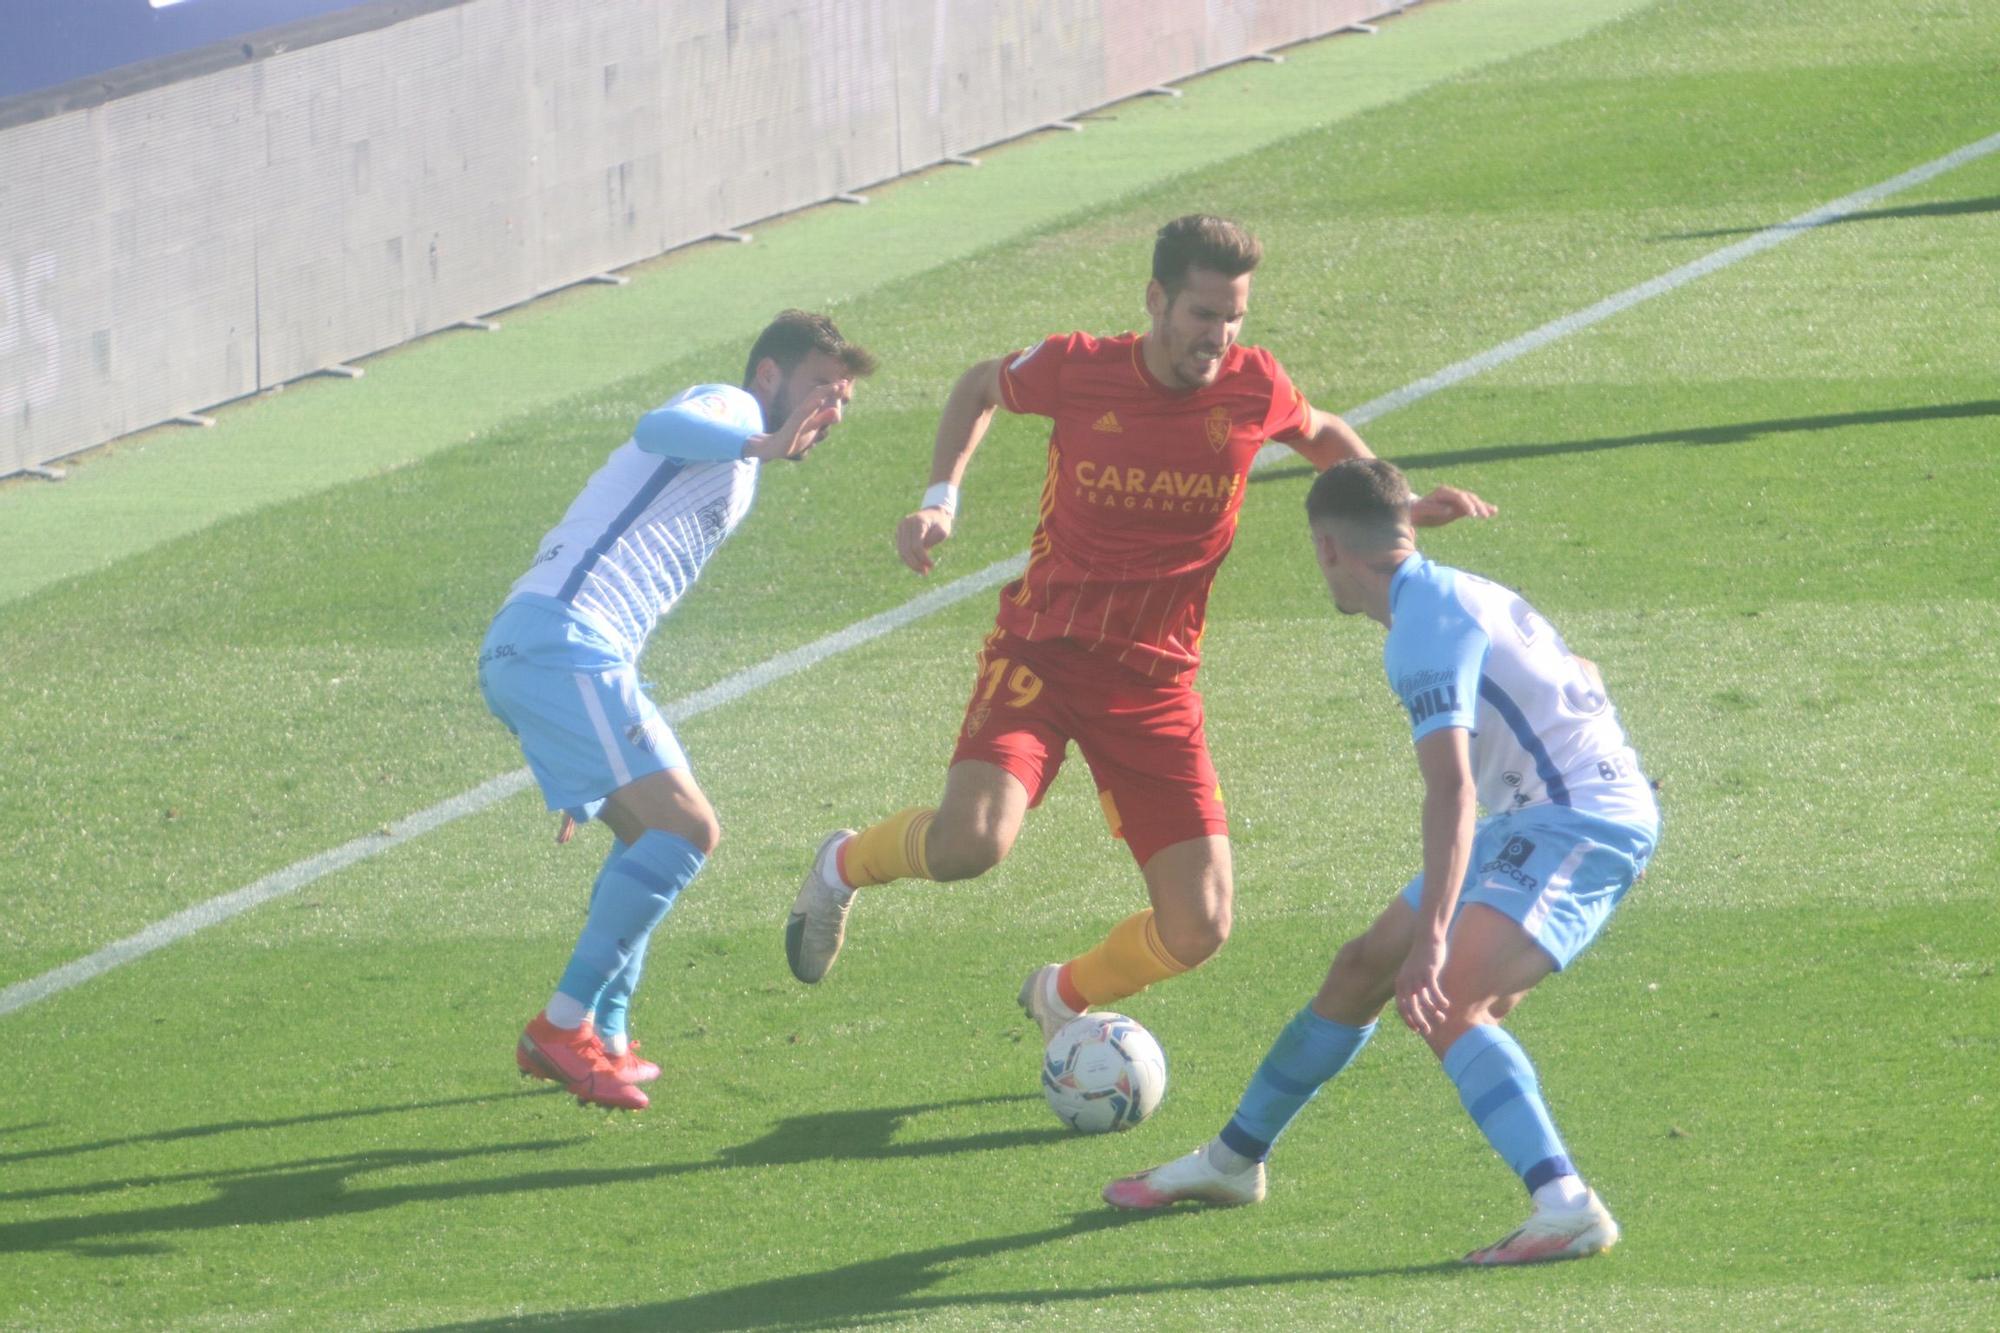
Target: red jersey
1143,489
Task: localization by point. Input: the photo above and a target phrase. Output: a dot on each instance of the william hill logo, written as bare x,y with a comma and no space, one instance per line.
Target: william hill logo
1437,699
1165,490
1108,423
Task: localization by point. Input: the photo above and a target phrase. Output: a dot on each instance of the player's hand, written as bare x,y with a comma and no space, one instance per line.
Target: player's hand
1419,996
817,413
1446,504
918,533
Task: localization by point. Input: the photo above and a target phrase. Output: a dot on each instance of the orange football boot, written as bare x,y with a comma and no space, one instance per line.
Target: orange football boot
630,1068
575,1059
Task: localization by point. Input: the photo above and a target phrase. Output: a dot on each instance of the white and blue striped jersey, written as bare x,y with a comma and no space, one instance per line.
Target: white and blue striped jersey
1465,652
636,537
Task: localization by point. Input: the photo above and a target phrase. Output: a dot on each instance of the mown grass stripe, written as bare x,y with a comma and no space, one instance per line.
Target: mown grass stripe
299,874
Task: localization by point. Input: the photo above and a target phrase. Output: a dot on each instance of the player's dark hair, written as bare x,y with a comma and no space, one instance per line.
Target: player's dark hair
1201,240
796,334
1369,493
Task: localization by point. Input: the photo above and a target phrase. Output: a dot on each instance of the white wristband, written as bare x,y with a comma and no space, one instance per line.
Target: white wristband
941,495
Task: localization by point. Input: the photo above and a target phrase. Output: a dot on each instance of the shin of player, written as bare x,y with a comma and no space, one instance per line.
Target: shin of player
559,668
1501,713
1098,641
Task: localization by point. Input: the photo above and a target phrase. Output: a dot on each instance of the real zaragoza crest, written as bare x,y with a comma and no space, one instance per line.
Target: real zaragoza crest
1218,424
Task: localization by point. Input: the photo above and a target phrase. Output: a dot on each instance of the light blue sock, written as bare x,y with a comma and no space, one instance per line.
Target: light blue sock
615,1001
634,892
1500,1092
1306,1054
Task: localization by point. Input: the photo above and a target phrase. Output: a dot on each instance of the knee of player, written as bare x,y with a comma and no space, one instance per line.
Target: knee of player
1356,966
1359,979
965,853
1196,937
1220,920
1350,958
703,830
1472,999
1461,1015
1458,1020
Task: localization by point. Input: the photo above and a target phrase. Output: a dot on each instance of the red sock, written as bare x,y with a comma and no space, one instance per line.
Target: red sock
1067,992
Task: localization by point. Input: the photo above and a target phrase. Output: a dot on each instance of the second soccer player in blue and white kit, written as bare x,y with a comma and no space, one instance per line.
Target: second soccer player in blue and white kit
560,667
1500,710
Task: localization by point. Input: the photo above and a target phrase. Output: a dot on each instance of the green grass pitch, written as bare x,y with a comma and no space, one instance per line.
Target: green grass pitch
1763,502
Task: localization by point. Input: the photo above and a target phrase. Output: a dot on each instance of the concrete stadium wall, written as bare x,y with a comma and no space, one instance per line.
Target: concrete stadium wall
195,242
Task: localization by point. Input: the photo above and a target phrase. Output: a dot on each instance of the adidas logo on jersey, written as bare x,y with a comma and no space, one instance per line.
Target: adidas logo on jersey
1108,423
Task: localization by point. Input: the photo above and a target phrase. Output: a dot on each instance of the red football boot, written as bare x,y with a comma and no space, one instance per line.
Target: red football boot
630,1068
575,1059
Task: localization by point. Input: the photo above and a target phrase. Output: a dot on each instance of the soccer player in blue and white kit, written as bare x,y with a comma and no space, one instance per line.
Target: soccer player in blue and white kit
1499,709
560,668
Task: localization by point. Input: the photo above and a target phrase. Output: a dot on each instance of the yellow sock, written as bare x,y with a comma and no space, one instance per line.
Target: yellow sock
892,849
1129,959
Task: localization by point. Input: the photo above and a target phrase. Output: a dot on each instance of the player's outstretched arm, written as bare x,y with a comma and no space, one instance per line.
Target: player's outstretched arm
1444,757
1447,504
817,413
961,426
1328,439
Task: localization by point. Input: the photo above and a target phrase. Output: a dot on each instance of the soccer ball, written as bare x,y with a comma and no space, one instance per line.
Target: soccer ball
1102,1073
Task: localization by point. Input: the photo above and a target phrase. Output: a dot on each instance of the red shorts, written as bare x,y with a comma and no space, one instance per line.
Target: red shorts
1142,738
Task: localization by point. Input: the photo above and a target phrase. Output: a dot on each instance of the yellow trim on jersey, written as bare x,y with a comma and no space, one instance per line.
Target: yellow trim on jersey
1042,544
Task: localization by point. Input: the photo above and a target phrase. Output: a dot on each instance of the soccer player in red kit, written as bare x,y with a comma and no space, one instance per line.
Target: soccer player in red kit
1098,641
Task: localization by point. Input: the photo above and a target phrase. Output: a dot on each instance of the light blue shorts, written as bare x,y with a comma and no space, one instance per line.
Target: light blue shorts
1556,871
576,704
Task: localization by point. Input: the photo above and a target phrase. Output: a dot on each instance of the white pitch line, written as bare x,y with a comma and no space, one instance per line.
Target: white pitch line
1557,329
296,876
491,792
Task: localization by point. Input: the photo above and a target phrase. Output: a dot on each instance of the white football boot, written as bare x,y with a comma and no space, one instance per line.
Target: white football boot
818,923
1042,1002
1554,1233
1189,1177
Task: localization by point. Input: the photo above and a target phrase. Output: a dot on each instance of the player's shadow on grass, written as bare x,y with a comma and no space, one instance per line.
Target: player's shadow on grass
328,1187
870,1133
1735,432
239,1126
1943,208
892,1288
